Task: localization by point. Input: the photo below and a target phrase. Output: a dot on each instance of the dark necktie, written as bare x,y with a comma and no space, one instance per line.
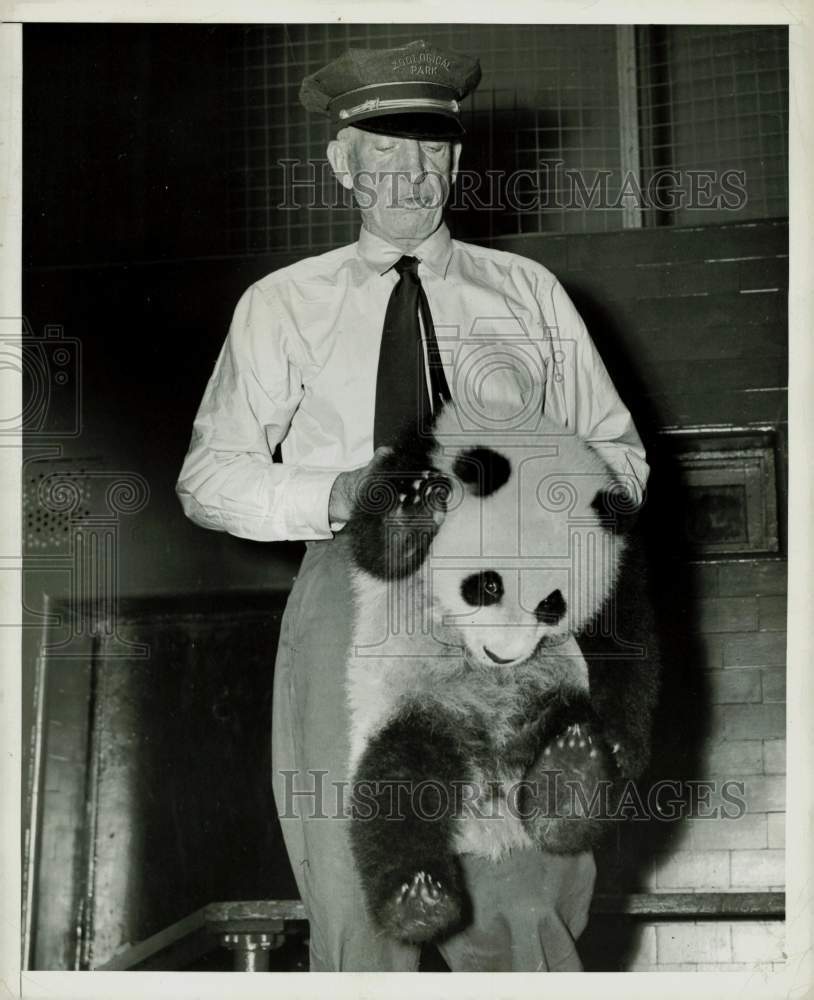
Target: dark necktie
402,394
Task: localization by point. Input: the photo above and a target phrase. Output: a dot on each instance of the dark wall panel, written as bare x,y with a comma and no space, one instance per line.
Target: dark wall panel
125,141
692,323
156,775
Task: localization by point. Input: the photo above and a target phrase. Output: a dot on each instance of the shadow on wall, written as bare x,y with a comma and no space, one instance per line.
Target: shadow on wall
625,859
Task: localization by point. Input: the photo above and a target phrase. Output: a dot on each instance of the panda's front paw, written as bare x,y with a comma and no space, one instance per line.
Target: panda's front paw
395,518
421,909
423,493
411,490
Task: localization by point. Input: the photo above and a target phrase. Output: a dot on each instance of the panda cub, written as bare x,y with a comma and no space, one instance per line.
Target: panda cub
502,676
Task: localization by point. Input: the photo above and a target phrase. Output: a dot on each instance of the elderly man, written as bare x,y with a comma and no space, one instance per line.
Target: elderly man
327,358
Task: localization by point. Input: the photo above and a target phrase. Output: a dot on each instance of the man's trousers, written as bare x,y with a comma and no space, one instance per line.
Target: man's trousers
527,910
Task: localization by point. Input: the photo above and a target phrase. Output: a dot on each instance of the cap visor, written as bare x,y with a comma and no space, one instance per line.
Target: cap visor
410,125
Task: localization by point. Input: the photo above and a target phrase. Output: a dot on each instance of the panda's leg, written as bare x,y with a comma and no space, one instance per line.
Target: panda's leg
402,831
564,795
593,746
624,692
623,666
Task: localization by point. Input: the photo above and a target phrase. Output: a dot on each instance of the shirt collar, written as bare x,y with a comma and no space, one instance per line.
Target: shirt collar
435,252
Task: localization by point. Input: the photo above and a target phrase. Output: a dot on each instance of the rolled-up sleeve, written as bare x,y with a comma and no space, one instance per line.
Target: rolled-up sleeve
599,415
229,480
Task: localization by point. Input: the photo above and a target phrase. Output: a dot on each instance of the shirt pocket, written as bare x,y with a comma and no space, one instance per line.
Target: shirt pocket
507,373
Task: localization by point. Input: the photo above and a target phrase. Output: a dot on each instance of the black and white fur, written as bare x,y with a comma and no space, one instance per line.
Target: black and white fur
478,560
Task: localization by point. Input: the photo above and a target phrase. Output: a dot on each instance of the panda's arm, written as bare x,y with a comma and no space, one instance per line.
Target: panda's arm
398,507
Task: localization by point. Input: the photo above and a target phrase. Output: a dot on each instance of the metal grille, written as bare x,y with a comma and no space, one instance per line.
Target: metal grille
548,93
715,99
709,98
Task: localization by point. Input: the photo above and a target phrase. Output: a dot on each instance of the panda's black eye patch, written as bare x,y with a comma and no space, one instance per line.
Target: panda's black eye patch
484,469
550,610
481,589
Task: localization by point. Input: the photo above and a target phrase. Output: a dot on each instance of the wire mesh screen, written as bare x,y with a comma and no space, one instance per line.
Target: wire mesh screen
548,93
542,152
714,100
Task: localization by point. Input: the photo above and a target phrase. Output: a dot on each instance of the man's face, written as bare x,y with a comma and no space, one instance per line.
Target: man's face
401,185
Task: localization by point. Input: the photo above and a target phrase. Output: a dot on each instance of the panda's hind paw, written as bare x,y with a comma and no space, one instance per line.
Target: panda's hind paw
422,908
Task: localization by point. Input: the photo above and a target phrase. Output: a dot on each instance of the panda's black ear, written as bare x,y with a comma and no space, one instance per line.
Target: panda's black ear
482,470
617,508
397,513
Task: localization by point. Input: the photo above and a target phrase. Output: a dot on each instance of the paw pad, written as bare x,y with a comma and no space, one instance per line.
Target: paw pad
574,737
423,886
421,908
421,489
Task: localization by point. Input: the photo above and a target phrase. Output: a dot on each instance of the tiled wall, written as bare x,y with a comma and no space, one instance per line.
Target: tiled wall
706,946
741,625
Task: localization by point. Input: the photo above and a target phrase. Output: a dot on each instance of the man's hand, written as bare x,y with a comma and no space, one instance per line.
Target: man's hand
346,484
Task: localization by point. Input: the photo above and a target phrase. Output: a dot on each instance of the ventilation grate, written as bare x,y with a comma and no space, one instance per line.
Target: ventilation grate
58,500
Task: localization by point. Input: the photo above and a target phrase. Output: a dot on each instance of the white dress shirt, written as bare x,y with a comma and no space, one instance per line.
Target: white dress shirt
298,369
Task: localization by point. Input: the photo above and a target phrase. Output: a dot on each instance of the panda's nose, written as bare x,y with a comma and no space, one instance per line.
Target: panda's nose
494,657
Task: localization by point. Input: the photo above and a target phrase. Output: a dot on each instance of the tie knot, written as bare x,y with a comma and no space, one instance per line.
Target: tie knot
407,264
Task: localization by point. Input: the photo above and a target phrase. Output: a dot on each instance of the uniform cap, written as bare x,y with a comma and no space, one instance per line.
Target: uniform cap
412,91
